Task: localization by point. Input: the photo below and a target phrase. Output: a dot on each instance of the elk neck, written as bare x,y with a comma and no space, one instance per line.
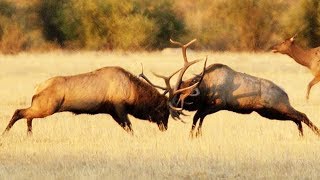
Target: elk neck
300,55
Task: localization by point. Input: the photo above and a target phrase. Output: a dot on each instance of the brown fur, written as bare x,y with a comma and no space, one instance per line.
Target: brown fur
225,89
110,90
309,58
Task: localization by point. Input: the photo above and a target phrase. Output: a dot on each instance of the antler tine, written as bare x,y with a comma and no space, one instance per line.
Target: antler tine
196,84
204,69
141,68
189,43
184,69
184,48
187,64
148,81
167,81
176,43
187,88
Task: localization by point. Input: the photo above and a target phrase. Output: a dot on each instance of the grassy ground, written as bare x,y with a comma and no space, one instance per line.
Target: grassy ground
66,146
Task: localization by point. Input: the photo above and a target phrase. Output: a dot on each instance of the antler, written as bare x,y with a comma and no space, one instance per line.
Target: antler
167,82
187,64
176,111
188,90
184,48
146,79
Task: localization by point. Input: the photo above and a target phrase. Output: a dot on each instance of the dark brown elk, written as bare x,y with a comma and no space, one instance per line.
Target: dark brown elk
309,58
110,90
222,88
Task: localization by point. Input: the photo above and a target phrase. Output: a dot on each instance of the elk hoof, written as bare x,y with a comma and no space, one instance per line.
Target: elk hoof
162,127
199,133
5,132
191,134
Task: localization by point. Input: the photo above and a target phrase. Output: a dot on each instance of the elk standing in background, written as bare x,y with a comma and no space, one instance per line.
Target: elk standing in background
221,88
109,90
309,58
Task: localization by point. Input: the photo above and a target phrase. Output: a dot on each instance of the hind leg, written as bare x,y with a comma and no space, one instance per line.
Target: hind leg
29,114
306,120
281,114
286,112
29,124
299,117
18,114
299,124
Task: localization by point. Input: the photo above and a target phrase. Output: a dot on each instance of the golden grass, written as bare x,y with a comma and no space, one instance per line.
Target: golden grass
237,146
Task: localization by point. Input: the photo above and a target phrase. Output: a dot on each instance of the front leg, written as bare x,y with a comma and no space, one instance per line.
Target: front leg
215,107
194,123
314,81
199,130
162,127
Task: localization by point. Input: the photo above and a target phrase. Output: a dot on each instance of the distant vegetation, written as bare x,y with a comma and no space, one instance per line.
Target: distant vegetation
219,25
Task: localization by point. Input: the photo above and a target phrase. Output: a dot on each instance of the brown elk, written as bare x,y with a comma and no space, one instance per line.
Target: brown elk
109,90
222,88
309,58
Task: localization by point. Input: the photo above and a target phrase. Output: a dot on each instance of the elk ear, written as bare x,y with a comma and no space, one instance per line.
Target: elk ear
292,39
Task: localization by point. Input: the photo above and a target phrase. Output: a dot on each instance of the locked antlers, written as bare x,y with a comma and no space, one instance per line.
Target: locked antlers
176,94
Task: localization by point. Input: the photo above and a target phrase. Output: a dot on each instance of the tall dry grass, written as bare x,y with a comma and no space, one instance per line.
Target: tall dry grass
65,146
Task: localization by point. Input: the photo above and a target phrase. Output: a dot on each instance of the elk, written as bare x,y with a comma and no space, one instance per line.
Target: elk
219,87
309,58
109,90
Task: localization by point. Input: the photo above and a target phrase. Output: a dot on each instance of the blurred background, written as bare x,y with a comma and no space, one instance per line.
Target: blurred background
147,25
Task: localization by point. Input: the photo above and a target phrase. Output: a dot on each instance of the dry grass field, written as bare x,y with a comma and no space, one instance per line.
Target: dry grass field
233,146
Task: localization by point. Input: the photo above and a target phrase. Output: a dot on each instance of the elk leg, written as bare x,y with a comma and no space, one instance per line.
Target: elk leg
122,119
194,123
299,117
306,120
161,126
299,127
18,114
201,114
314,81
199,130
30,113
29,124
289,113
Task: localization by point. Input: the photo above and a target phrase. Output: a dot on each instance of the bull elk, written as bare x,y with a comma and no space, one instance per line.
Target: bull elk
309,58
109,90
219,87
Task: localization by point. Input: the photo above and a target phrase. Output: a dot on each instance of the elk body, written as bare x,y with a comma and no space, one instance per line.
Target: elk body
219,87
309,58
109,90
222,88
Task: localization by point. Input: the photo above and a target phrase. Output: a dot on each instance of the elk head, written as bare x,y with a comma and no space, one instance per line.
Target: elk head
285,46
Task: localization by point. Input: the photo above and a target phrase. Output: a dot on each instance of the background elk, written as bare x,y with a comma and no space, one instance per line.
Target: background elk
221,88
110,90
309,58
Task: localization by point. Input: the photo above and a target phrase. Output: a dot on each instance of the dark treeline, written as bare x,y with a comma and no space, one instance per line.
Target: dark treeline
219,25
